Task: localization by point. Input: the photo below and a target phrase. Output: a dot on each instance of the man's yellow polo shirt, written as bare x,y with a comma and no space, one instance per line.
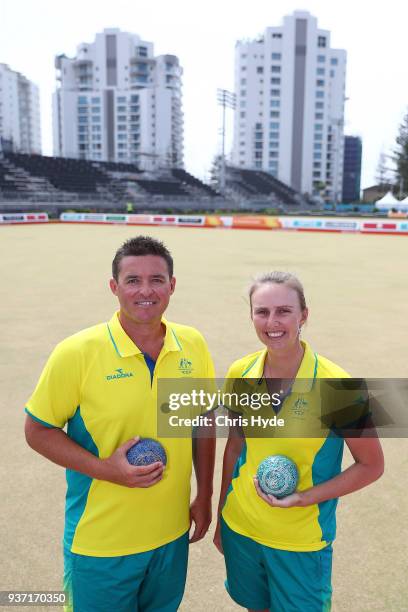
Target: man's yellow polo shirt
98,384
318,459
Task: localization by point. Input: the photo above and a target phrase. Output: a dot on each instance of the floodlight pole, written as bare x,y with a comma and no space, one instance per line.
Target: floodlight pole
225,98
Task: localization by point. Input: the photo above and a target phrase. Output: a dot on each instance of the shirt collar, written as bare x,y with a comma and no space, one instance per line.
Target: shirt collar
124,345
305,376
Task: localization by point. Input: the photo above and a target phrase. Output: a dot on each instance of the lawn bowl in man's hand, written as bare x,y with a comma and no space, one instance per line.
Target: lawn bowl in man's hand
278,476
145,452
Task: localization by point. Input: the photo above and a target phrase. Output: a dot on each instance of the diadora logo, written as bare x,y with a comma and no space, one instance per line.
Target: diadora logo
299,407
185,366
119,373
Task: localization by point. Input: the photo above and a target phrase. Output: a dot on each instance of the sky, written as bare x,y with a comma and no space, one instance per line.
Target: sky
203,36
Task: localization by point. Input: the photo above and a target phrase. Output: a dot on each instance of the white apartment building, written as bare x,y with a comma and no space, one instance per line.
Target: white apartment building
19,111
115,101
290,88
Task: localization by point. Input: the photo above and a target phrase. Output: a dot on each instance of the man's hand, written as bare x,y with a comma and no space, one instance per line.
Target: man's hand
118,470
217,537
200,515
286,502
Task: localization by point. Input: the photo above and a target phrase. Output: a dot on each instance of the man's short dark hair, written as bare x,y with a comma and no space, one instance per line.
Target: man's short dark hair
139,246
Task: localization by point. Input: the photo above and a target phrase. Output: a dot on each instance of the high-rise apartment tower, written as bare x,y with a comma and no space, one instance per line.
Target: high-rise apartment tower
19,112
115,101
290,87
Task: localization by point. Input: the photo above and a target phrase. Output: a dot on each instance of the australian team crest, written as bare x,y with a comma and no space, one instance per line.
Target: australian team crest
185,366
299,407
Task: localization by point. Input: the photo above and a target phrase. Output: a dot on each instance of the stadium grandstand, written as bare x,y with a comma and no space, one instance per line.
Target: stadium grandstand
55,184
261,187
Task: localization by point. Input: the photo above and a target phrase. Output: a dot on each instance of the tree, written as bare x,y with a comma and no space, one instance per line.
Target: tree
401,155
381,175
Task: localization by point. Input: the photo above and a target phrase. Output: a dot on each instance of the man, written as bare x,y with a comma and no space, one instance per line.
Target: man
126,527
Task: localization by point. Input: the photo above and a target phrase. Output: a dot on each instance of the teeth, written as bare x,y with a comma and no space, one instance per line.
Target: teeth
275,334
144,303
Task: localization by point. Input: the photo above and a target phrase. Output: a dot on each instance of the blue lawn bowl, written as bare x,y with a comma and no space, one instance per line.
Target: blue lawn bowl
145,452
278,476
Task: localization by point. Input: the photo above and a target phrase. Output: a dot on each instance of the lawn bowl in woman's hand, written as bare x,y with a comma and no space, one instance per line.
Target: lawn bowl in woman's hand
277,475
145,452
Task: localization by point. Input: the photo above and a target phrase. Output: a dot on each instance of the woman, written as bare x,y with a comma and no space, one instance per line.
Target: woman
278,552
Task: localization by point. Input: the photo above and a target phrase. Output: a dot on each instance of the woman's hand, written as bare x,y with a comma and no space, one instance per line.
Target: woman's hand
289,501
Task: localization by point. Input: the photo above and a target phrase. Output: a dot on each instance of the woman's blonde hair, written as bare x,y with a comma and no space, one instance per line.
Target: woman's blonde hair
279,278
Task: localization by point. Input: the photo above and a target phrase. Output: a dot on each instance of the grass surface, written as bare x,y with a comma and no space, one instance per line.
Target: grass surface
55,282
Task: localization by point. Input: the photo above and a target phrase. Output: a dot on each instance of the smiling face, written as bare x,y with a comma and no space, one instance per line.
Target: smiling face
143,288
277,315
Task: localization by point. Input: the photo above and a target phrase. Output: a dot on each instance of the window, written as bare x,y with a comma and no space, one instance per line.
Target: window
319,105
275,69
258,154
122,136
96,118
274,154
243,68
321,41
258,135
119,100
332,73
319,94
318,136
134,118
321,59
82,119
142,51
121,109
122,145
320,71
320,83
96,109
242,114
317,156
82,110
82,100
274,125
95,100
258,145
316,174
82,137
243,92
274,135
275,92
134,99
274,144
274,114
318,127
276,35
276,56
82,128
317,146
259,69
275,81
334,61
242,104
258,126
319,116
275,103
121,128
